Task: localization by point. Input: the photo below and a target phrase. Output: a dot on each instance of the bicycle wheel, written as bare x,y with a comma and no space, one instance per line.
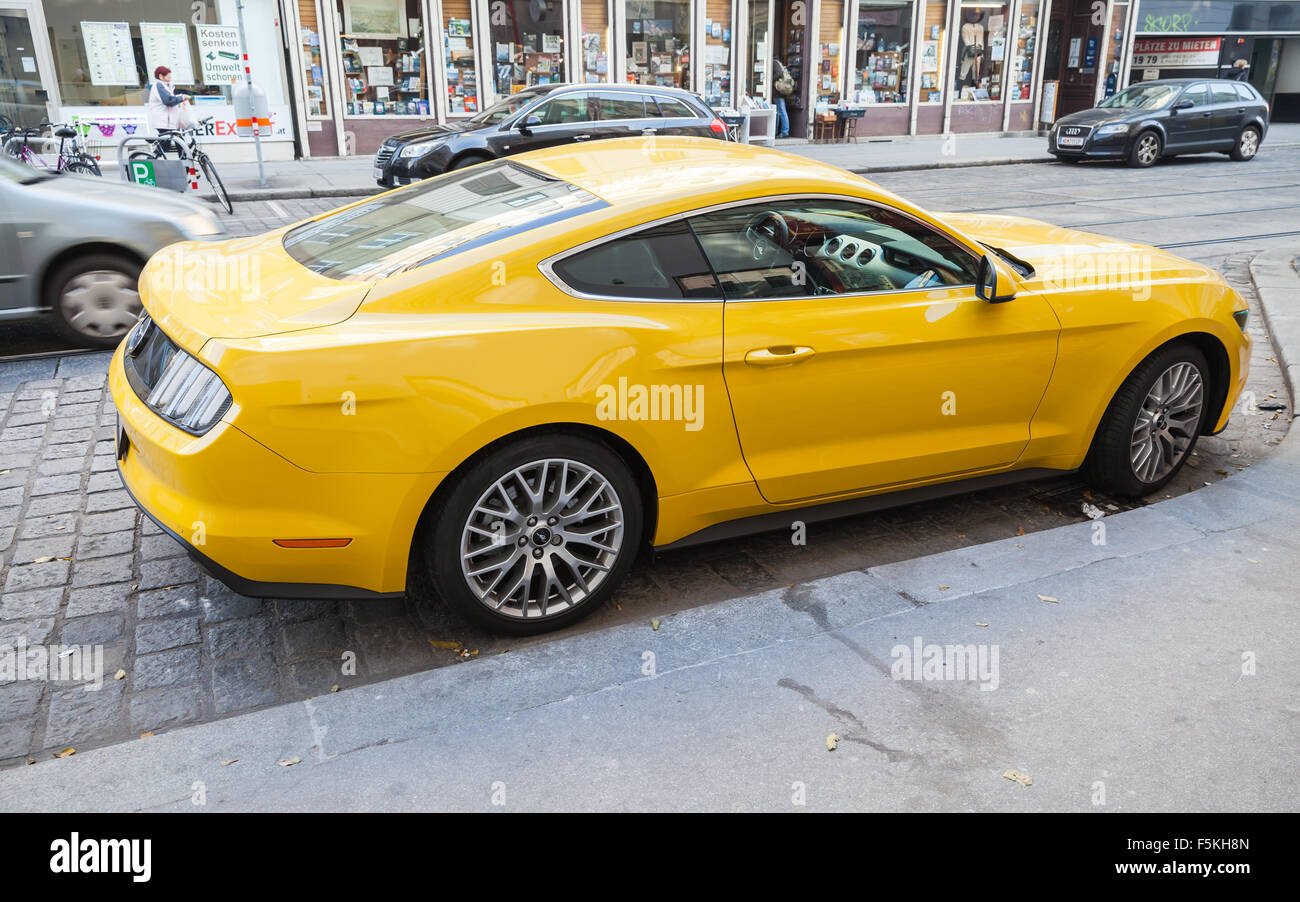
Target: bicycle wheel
210,173
81,167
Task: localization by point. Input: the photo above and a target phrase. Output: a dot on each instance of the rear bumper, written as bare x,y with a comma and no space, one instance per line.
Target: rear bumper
226,498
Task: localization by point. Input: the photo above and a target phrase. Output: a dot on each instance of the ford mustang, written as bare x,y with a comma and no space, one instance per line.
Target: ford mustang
501,384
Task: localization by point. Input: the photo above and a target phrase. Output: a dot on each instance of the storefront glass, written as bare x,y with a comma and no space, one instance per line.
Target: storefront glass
458,50
1022,58
527,44
883,51
1118,22
382,45
717,53
314,66
981,51
759,47
830,52
595,41
658,42
932,51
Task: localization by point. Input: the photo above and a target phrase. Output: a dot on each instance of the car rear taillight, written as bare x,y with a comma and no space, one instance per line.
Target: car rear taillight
718,127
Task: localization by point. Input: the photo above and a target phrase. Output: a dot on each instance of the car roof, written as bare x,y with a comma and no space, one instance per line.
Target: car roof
640,172
1182,81
624,89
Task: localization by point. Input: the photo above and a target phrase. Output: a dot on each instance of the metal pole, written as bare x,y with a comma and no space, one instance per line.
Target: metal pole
248,78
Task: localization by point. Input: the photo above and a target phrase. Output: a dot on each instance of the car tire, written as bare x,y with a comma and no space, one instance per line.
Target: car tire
95,299
1247,145
520,578
1145,150
1152,424
468,160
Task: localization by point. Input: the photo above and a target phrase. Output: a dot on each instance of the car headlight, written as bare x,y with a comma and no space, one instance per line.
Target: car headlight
188,394
418,149
1117,128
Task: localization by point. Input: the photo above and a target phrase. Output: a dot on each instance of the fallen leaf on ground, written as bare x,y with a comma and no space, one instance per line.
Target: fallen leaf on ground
229,762
654,624
42,560
120,675
1020,531
1022,778
149,734
290,762
66,753
832,741
977,623
1048,598
449,646
944,588
334,688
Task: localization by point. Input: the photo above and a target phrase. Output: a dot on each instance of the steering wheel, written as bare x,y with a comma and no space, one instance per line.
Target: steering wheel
767,232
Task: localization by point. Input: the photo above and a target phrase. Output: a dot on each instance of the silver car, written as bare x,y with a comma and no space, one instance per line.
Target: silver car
73,246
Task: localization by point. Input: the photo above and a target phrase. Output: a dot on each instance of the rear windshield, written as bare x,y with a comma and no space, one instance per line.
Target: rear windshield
435,219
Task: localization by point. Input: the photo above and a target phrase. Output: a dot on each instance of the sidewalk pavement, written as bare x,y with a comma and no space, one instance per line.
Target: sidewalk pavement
1144,661
351,176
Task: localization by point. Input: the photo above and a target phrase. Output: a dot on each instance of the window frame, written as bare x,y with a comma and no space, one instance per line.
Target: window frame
546,265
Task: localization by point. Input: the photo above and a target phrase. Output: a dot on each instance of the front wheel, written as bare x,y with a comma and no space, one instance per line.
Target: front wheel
1152,423
1145,151
95,299
536,536
82,167
1247,145
218,188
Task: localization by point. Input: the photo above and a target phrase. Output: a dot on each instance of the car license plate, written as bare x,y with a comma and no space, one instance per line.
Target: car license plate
1069,142
379,174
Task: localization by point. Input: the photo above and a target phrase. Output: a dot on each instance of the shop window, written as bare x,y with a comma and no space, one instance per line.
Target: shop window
1022,58
932,52
595,41
716,88
830,53
527,43
981,51
882,52
1118,22
759,46
383,54
458,50
314,84
658,42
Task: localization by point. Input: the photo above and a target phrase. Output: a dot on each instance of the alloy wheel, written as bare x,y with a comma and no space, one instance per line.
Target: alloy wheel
1148,149
1249,143
101,303
1166,423
542,538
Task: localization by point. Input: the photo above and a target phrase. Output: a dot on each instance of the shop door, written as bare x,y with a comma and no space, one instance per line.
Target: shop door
1080,59
25,93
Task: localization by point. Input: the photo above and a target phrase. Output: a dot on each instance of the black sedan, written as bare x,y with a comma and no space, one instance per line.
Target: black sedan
544,116
1164,118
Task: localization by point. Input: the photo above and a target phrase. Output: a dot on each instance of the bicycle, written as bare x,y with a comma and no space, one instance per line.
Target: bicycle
71,157
184,142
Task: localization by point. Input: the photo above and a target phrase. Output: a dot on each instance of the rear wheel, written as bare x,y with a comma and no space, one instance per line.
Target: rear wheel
1152,423
1247,145
95,299
82,167
536,535
1145,150
218,188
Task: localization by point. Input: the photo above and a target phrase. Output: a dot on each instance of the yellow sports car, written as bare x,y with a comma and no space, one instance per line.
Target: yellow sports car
513,377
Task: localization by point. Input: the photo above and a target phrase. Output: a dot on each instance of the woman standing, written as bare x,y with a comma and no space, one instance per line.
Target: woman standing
163,108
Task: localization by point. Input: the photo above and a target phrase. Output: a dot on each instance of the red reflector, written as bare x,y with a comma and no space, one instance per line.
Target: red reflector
717,125
312,543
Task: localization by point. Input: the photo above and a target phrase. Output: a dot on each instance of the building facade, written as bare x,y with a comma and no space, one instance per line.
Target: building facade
341,75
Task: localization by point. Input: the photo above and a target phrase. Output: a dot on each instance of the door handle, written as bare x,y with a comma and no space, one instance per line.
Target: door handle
581,137
778,355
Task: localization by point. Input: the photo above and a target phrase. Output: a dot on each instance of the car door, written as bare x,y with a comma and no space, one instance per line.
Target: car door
1229,112
680,119
624,114
12,278
856,353
1191,128
566,119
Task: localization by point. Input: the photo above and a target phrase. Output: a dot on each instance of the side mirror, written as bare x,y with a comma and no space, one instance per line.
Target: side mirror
992,284
528,123
1185,104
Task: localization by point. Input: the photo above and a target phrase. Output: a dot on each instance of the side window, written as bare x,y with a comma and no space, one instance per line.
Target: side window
621,105
1244,92
826,247
663,263
1199,95
1222,92
671,108
569,108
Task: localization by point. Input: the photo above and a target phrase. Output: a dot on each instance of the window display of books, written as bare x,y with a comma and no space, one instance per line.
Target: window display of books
462,81
886,76
384,78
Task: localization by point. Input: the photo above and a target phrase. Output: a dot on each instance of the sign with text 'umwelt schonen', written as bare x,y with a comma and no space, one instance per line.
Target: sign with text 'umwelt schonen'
219,53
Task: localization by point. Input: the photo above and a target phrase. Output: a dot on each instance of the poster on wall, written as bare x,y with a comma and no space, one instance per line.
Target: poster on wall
378,20
108,53
219,53
1177,53
167,44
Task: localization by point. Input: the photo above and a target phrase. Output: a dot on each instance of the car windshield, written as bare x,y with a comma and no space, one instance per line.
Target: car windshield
1141,97
434,219
505,108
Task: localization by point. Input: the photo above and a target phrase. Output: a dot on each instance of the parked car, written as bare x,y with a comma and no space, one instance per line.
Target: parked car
511,378
544,116
1165,118
73,245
